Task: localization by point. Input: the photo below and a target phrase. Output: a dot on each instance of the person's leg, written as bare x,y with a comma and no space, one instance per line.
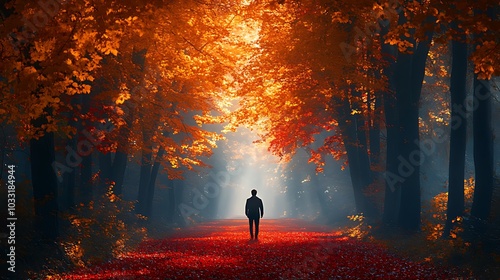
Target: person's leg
250,220
257,228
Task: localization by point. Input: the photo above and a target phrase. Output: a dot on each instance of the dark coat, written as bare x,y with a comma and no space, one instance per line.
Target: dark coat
252,207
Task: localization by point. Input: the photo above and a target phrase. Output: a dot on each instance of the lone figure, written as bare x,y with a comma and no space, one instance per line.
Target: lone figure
252,207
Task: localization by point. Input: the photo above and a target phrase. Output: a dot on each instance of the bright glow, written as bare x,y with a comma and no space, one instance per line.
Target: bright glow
257,170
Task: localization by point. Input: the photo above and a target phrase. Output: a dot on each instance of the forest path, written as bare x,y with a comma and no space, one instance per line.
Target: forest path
287,249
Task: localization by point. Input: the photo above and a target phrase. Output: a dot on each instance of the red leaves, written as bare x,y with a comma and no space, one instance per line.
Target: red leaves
287,249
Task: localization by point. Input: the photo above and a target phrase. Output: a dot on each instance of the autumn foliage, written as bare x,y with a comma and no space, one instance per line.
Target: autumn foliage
93,86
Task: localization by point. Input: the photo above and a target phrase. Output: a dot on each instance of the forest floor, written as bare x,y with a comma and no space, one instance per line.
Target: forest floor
286,249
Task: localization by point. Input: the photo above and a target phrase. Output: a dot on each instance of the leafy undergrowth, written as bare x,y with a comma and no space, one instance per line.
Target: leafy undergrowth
287,249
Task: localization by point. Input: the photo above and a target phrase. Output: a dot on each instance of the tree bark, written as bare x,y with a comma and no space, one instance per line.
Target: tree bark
483,145
374,135
145,175
86,187
152,181
69,182
44,181
121,156
105,168
392,196
483,150
458,134
409,75
358,172
170,201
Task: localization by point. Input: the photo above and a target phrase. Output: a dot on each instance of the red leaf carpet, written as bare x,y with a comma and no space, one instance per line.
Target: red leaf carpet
287,249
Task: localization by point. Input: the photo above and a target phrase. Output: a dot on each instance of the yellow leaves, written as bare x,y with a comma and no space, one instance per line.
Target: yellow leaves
435,226
356,217
122,97
355,112
110,43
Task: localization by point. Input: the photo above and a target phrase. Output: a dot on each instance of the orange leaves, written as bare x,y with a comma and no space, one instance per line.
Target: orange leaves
485,59
122,97
42,50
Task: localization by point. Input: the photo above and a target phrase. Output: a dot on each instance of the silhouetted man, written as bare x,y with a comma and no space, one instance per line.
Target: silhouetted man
252,207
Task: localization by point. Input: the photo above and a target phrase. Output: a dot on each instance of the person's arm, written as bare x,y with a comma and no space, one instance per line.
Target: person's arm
246,209
261,206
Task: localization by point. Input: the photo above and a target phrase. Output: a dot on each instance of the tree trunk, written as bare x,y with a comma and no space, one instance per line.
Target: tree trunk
483,145
69,181
44,181
375,132
483,150
357,161
105,164
392,196
408,169
409,75
86,186
152,181
144,177
118,173
170,201
458,134
121,156
86,191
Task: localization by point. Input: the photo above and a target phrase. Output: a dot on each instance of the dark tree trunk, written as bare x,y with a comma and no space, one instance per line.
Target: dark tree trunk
145,175
361,143
152,181
86,186
409,210
170,201
409,75
458,134
483,150
69,181
359,167
121,156
375,132
118,170
483,145
44,182
105,163
392,196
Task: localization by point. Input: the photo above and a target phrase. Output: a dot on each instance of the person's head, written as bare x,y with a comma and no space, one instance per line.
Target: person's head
254,192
